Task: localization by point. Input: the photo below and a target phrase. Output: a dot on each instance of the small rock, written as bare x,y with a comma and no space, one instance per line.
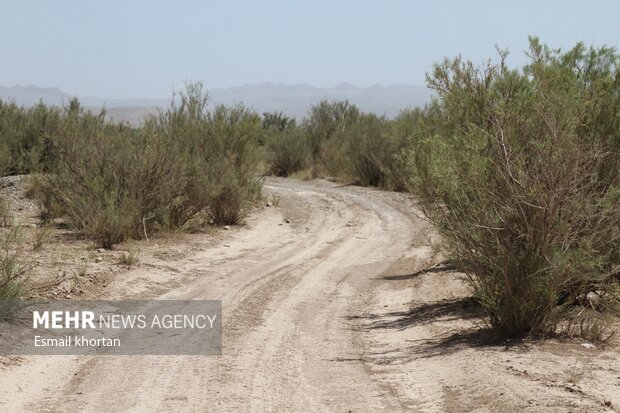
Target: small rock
67,296
98,259
588,345
101,250
268,204
226,228
33,225
65,286
608,403
211,221
288,221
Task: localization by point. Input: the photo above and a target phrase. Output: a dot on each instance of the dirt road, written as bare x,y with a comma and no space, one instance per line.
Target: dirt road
287,291
317,317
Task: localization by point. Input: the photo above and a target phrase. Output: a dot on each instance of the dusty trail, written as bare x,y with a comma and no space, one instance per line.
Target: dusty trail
289,294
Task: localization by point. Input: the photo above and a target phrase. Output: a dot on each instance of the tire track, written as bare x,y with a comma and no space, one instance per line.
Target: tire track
287,291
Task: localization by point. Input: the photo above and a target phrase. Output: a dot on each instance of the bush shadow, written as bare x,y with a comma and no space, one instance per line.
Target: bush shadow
445,313
445,310
435,269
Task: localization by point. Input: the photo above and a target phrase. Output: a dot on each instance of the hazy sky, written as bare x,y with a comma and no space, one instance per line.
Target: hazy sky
132,48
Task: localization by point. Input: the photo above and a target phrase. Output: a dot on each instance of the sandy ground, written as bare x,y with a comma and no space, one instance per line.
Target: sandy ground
345,308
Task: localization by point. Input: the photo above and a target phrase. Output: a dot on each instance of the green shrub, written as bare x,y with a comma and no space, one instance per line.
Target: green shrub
370,150
338,139
112,182
355,146
236,192
25,144
410,128
13,271
103,178
221,154
286,145
523,182
324,125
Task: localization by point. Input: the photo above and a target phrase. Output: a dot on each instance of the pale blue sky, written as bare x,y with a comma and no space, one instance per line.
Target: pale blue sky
133,48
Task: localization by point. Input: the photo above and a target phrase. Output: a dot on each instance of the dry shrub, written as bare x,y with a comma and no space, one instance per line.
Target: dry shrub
129,258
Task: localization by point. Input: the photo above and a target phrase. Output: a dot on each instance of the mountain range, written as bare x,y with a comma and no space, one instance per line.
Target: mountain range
292,100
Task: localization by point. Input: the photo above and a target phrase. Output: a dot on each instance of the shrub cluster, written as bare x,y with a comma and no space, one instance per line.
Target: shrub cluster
522,181
25,138
337,139
13,270
286,147
518,170
113,182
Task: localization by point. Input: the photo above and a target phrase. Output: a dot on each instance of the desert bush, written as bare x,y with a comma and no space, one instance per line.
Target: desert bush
41,237
13,270
129,258
102,179
275,121
370,150
341,141
525,189
337,139
235,133
410,128
25,143
350,145
324,125
6,216
355,146
286,146
220,151
113,182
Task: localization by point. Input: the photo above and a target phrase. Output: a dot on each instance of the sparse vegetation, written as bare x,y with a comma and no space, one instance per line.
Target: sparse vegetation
129,258
6,217
41,237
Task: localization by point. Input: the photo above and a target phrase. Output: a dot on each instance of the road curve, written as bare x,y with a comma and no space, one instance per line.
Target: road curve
289,294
